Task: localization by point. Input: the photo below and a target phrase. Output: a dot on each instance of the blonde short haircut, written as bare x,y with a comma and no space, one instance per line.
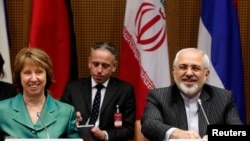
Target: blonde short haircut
32,56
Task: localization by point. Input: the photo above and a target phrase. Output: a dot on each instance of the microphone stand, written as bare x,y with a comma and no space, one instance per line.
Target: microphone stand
199,102
44,126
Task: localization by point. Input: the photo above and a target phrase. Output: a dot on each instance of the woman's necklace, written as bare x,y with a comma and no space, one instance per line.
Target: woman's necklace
34,108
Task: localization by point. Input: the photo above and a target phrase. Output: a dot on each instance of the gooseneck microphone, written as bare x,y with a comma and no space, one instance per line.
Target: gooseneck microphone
44,126
199,102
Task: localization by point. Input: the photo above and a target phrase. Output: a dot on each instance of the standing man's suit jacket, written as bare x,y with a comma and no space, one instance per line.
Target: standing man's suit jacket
165,109
78,94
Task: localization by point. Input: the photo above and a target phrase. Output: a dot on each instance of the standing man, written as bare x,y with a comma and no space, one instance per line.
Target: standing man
175,112
115,95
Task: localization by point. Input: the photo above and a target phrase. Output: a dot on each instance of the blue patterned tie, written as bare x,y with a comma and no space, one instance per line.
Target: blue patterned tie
96,105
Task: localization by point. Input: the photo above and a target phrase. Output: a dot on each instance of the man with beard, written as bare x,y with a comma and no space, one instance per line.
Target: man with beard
174,113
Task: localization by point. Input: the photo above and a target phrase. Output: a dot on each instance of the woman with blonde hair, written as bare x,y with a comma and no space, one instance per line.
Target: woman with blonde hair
33,112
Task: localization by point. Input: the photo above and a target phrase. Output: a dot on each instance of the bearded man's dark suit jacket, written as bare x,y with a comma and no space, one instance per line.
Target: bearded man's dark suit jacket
165,109
78,94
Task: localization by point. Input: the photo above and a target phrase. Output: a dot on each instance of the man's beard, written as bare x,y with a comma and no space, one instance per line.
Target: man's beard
191,90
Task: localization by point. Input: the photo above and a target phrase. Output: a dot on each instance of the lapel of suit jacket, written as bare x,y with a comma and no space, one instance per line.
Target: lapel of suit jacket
109,94
206,106
22,115
179,109
48,114
86,92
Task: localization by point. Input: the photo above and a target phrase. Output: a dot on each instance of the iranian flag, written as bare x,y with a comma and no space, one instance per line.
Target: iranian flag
144,58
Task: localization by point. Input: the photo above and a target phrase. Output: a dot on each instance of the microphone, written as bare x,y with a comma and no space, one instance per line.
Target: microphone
39,117
199,102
